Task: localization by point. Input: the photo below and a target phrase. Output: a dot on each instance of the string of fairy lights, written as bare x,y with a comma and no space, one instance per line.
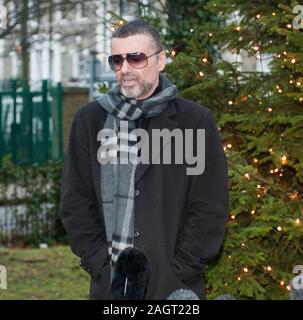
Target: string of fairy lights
260,189
294,196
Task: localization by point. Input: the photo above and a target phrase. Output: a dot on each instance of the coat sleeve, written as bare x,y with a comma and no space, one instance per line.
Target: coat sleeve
202,231
79,208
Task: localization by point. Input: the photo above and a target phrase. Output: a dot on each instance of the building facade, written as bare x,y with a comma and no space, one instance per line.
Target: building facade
66,39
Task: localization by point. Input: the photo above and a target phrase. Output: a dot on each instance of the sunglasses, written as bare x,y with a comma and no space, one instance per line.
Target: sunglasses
137,60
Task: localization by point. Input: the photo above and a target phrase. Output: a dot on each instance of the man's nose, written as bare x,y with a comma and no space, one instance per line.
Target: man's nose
125,66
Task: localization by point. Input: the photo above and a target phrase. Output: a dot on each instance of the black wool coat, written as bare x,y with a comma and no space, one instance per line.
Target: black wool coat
180,219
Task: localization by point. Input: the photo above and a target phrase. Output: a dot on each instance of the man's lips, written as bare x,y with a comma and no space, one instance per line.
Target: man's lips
128,81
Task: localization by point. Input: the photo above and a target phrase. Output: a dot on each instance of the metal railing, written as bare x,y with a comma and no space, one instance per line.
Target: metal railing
31,122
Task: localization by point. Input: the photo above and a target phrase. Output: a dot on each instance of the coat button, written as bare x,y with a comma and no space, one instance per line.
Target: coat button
137,192
137,234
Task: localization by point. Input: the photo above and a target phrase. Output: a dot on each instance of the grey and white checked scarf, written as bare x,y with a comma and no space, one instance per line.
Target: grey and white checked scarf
117,179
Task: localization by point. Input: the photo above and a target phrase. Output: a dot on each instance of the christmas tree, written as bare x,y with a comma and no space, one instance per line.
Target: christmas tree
175,20
260,117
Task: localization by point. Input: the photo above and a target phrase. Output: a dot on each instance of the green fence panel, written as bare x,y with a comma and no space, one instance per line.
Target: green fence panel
31,122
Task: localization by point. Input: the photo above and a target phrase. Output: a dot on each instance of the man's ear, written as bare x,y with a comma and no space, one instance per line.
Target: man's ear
162,61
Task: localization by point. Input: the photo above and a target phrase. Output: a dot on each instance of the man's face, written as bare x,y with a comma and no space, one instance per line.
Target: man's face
138,83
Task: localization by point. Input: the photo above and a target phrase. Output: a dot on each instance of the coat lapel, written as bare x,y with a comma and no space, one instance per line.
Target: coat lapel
162,121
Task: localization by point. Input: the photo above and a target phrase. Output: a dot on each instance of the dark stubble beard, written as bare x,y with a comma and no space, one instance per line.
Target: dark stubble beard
138,90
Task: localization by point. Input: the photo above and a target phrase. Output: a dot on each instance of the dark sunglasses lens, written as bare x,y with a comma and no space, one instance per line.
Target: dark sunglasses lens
115,62
137,60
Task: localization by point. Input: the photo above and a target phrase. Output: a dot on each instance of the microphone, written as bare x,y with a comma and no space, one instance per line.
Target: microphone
183,294
131,276
225,297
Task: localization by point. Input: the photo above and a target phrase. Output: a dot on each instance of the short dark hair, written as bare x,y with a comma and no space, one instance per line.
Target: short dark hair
139,27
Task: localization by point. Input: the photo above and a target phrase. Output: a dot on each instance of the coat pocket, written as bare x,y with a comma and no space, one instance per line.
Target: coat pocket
99,289
197,288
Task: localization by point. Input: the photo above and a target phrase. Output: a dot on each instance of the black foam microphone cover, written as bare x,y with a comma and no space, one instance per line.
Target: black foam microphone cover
131,276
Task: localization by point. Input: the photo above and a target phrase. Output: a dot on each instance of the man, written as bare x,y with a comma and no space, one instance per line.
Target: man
177,220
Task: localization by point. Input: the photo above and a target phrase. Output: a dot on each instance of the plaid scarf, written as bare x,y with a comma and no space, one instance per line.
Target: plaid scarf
117,178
